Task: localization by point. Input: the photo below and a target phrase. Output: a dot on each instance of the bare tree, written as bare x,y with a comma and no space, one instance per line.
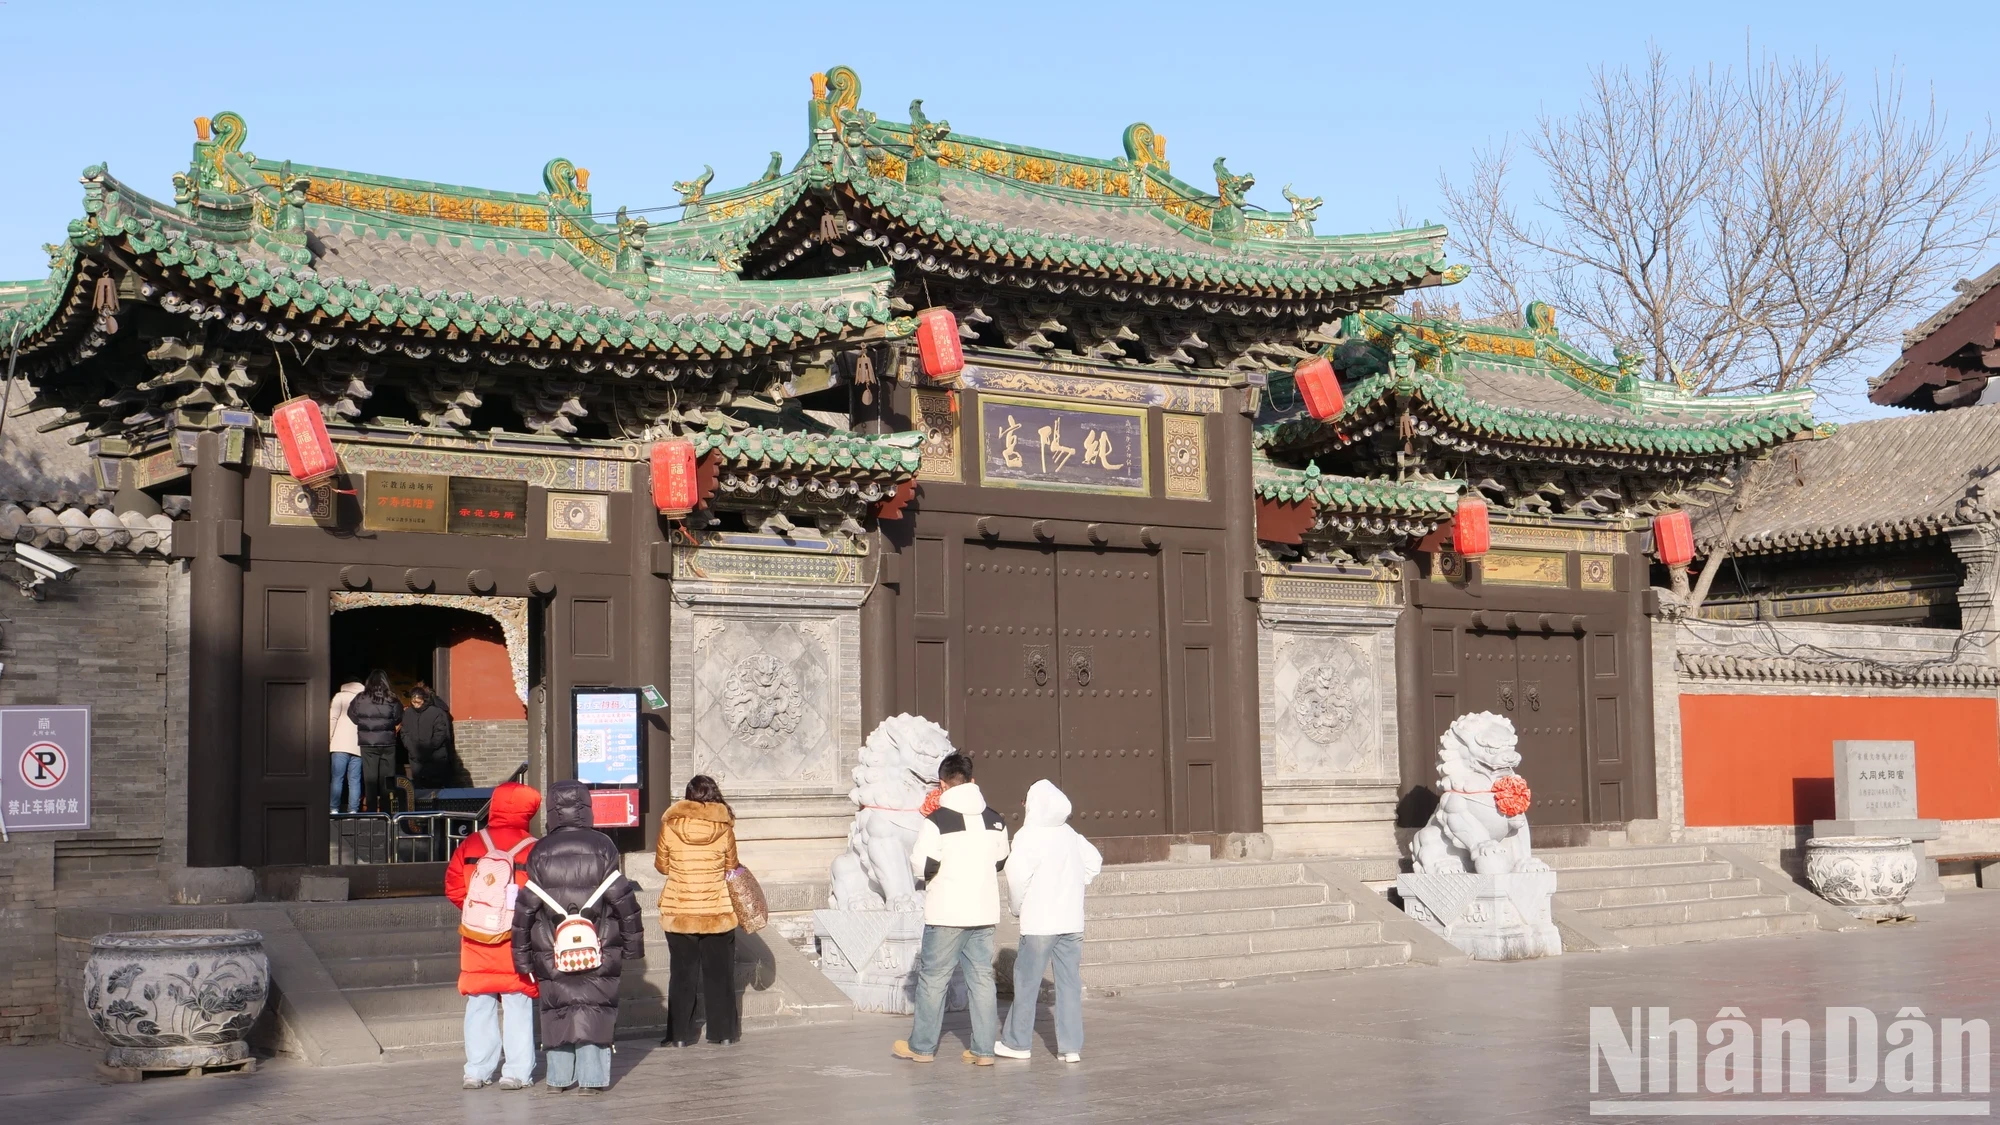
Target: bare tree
1740,232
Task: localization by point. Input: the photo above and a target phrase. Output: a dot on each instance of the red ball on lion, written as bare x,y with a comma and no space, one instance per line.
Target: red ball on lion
1510,795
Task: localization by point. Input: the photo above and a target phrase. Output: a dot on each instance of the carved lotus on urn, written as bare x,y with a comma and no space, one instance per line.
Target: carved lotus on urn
1861,871
172,999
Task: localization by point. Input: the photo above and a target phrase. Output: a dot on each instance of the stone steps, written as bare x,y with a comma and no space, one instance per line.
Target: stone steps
1201,901
1660,895
1218,921
1248,969
1246,943
1154,878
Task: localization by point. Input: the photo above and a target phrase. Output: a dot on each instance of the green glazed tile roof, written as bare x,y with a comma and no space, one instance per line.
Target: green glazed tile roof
1356,494
895,456
1525,393
349,251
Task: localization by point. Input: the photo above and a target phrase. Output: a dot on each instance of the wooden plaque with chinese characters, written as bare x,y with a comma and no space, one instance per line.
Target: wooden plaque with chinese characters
489,507
1026,443
405,502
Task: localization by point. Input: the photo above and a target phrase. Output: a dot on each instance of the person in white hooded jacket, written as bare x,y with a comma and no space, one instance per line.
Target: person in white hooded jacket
1050,866
960,850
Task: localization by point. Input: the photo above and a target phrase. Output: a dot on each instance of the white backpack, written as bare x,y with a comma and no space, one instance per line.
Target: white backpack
576,945
488,914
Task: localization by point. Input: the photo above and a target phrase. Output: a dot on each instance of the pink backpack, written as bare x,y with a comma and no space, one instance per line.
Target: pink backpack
488,914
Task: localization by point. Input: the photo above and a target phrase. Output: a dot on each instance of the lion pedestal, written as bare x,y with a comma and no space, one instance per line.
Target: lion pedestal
1474,882
872,931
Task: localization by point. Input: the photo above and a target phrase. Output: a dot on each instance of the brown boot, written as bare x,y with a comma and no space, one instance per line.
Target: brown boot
902,1051
978,1060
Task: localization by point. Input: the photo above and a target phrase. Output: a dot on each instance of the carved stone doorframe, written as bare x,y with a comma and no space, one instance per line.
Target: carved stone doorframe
511,613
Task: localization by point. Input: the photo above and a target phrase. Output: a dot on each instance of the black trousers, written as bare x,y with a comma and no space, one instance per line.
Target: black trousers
378,767
702,965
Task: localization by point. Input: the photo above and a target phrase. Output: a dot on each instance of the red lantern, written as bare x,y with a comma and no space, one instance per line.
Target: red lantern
675,491
1320,387
309,455
1673,538
937,340
1471,534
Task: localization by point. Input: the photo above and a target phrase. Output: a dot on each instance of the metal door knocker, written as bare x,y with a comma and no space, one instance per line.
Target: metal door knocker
1507,696
1534,697
1079,666
1038,665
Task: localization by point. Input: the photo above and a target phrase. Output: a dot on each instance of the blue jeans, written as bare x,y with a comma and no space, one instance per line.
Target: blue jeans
346,771
1036,951
494,1022
945,948
581,1065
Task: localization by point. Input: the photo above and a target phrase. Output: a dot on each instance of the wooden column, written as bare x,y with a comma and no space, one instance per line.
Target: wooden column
215,657
1241,802
651,651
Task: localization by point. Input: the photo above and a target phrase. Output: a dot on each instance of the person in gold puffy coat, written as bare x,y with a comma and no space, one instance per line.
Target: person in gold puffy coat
696,852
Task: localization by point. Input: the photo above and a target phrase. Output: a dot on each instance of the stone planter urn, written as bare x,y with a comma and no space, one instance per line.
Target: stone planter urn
1868,875
176,999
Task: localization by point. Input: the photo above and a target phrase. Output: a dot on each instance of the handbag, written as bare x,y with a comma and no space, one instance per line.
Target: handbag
746,897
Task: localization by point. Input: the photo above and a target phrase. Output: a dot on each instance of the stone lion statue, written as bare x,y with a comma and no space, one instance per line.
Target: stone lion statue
899,764
1476,780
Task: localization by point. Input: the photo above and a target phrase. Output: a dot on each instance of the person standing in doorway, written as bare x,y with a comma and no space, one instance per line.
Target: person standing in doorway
346,752
489,867
696,852
961,849
427,739
1049,867
576,866
376,713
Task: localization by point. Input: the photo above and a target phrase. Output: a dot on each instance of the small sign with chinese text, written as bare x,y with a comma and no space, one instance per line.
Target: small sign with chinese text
488,507
1875,780
1025,443
606,725
45,768
405,502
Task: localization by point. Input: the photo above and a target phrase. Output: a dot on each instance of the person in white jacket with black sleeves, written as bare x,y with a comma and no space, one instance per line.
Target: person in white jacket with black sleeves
960,850
1050,866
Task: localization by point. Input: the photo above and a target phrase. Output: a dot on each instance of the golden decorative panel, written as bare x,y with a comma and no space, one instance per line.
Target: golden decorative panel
1329,591
1558,538
937,416
579,515
1524,568
1599,572
295,505
1184,438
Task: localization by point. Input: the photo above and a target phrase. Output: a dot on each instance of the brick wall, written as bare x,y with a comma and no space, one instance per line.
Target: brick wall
491,749
100,639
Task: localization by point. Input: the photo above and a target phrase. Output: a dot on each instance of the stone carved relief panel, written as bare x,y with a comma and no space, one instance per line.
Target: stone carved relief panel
766,701
1328,706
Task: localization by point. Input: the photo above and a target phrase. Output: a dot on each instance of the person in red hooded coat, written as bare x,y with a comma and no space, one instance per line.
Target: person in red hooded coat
499,1002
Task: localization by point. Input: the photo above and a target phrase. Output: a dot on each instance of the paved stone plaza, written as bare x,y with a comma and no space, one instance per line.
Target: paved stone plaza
1476,1043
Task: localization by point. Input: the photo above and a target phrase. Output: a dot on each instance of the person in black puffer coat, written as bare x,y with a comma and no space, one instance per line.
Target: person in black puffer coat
376,712
579,1011
427,739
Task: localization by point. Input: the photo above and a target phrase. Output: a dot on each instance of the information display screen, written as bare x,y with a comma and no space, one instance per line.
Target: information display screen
606,726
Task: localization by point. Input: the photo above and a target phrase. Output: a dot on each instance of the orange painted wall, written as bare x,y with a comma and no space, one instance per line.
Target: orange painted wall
1768,759
482,682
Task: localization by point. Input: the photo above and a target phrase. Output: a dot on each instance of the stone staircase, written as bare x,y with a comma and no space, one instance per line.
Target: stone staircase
1668,893
396,962
1173,926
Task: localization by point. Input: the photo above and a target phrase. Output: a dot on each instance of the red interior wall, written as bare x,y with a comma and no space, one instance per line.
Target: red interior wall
482,682
1768,759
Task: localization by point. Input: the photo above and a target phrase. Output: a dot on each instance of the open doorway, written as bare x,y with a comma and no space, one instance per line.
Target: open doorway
463,655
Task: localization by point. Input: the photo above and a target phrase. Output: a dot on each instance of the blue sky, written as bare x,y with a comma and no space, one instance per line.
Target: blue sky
1361,103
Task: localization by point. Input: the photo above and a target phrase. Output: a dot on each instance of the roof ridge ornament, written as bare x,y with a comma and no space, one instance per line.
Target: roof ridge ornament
1231,190
1304,209
567,183
924,171
692,190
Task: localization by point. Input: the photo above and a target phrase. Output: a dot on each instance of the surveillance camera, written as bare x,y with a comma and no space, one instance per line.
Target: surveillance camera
44,563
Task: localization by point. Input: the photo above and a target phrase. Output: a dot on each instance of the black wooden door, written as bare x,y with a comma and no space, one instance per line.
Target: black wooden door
1548,717
1011,672
1114,769
286,668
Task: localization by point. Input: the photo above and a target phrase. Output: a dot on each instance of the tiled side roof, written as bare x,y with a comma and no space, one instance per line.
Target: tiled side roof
1867,482
1887,390
892,456
1356,494
55,525
1519,390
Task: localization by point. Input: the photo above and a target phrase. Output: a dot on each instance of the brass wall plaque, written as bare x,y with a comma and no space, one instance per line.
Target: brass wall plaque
405,502
1029,443
1524,568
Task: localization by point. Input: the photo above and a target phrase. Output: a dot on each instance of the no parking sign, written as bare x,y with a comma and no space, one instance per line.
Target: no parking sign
45,768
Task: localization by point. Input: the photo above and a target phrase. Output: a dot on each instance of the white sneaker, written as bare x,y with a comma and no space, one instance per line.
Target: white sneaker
1006,1052
1072,1057
473,1084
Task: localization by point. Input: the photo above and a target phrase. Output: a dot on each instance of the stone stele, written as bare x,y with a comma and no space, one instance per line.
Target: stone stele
1474,882
1875,794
